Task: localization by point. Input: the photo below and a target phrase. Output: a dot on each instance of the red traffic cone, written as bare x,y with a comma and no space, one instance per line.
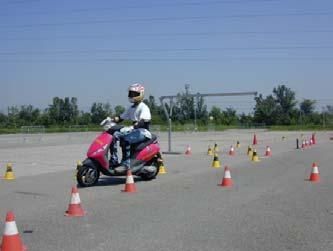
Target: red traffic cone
130,185
268,151
232,151
11,240
227,180
255,142
75,209
314,141
188,151
314,177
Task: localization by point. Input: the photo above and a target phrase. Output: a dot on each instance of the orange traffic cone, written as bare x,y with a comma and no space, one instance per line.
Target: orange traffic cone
11,240
130,185
188,151
75,209
314,177
255,142
232,151
268,152
227,180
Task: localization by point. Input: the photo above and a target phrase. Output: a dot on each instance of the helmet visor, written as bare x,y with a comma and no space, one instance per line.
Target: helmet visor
132,94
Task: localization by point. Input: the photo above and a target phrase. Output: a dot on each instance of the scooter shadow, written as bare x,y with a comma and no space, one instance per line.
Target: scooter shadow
115,181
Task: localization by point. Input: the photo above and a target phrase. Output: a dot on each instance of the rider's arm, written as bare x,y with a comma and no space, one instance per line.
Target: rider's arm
142,124
124,116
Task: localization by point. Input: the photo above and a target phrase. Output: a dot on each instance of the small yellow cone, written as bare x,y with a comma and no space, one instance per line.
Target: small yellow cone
216,163
210,151
249,151
238,145
78,165
216,149
9,175
162,168
255,157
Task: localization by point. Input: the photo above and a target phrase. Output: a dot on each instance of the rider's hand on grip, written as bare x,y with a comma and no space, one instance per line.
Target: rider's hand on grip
105,121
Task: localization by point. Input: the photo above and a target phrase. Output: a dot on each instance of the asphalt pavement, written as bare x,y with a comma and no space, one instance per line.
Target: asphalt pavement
272,205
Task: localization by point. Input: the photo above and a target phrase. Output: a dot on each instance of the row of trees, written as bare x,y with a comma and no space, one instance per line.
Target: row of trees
279,108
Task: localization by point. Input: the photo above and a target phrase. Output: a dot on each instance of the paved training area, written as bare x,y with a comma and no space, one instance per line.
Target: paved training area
272,205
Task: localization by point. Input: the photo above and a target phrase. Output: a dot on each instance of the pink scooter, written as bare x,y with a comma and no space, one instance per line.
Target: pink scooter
145,159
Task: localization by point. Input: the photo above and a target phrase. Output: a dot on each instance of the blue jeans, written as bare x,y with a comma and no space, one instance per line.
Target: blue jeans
126,140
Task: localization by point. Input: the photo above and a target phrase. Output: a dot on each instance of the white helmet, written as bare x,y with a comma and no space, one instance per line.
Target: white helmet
136,93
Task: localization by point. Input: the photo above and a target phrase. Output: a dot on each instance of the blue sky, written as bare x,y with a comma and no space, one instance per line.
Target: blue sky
93,50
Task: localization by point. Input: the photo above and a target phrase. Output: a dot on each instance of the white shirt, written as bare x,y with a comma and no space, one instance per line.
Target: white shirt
137,113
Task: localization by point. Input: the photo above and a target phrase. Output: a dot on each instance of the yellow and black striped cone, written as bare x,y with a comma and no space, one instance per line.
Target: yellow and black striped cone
249,151
210,151
78,165
255,157
238,145
216,149
9,175
162,168
216,163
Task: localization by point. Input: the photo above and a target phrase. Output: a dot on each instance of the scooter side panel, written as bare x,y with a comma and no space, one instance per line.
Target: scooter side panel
148,152
99,148
100,141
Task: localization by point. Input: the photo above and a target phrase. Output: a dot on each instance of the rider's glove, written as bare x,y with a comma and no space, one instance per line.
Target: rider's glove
106,123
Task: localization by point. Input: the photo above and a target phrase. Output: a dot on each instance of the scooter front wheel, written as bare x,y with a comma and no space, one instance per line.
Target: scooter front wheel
87,175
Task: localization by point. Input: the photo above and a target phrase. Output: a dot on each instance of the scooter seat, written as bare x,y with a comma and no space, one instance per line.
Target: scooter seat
139,146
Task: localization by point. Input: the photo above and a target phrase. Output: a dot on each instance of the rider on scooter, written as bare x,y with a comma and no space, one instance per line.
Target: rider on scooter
139,114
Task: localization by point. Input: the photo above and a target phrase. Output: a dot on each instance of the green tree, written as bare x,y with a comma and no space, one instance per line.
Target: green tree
286,101
119,110
217,115
63,111
157,112
13,116
28,115
3,120
245,119
265,110
84,118
307,106
202,113
55,111
100,111
230,116
184,108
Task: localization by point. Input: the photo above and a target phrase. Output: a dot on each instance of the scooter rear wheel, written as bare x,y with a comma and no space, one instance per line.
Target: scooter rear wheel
87,175
150,176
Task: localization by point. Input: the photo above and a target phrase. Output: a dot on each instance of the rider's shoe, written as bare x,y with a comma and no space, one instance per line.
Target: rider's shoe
124,165
120,169
113,163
